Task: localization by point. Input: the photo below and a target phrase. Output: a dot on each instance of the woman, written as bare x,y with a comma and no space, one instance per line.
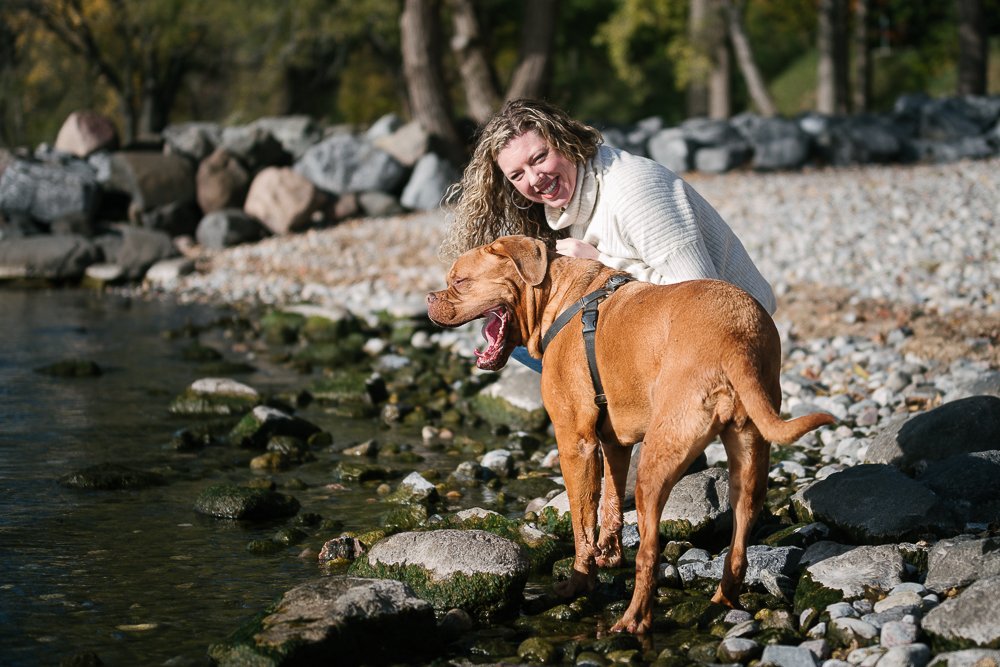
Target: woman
536,171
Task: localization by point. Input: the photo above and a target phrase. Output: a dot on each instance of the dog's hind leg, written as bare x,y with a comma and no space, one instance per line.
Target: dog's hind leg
748,454
616,462
581,471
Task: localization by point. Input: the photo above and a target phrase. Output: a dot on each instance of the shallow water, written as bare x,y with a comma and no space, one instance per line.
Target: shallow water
137,577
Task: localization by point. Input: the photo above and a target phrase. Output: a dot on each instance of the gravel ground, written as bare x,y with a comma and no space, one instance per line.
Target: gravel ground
859,252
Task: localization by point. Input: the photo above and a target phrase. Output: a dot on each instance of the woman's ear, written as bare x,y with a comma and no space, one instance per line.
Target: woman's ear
529,255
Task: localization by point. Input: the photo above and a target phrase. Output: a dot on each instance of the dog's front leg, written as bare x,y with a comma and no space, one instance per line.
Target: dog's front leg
616,463
582,473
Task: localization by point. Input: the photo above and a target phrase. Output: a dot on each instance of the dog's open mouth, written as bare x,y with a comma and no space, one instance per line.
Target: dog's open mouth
495,332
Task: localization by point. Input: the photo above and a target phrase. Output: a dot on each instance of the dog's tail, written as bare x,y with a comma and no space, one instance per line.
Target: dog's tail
754,398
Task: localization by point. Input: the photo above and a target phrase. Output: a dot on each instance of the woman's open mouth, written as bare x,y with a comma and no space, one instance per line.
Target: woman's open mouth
551,188
495,332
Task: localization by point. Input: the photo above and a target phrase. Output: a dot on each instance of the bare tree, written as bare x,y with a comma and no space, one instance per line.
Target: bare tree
708,90
745,59
537,39
973,47
832,77
478,77
420,37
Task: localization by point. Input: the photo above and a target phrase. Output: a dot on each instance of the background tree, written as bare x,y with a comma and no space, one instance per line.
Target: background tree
973,47
832,74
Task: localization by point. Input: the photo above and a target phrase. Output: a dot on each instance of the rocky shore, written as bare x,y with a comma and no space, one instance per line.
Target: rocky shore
880,540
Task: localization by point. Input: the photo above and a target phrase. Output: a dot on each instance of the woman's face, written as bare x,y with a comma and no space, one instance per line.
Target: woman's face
538,171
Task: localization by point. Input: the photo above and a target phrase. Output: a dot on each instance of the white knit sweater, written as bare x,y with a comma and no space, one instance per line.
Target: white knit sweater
646,220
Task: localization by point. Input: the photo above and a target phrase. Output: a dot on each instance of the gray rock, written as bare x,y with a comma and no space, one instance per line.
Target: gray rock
166,272
722,158
763,563
778,143
178,218
111,477
221,182
377,204
848,631
152,179
698,503
415,489
787,656
264,422
344,163
49,192
136,249
671,149
899,633
228,227
195,140
215,396
407,143
973,657
987,383
864,139
255,146
912,655
737,649
967,484
346,617
959,427
500,461
295,133
874,504
228,501
514,400
856,572
962,148
471,569
48,257
961,561
432,175
969,620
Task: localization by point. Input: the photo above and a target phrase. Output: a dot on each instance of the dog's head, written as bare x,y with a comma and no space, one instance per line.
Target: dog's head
489,282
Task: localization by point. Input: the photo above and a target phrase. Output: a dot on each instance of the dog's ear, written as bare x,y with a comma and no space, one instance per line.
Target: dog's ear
530,256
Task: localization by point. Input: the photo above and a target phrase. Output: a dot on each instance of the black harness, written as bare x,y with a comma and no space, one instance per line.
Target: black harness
589,305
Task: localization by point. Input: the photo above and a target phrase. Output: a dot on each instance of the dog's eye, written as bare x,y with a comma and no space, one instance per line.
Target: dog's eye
457,282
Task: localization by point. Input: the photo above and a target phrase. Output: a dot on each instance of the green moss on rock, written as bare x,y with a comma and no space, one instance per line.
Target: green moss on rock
228,501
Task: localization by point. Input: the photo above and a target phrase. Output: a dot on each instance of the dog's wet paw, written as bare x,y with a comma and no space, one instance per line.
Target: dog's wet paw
576,584
609,559
633,624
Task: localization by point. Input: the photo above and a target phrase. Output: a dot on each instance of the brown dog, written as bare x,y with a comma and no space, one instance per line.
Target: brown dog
681,364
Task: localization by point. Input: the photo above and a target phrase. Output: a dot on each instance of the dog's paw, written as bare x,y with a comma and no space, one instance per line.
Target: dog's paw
633,623
609,558
576,584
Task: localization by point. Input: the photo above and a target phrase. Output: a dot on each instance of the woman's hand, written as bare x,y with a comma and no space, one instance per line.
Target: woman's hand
576,248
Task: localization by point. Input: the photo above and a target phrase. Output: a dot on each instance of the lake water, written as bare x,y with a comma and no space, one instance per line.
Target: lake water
136,577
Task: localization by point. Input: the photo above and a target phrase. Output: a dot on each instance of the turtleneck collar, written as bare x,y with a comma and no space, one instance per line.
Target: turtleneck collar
581,205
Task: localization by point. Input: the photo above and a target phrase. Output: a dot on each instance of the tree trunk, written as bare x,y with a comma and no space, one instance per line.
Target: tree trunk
973,47
537,38
420,38
697,92
482,94
745,60
831,92
720,99
862,91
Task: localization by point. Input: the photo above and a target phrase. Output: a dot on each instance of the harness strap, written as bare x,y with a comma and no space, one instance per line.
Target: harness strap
589,304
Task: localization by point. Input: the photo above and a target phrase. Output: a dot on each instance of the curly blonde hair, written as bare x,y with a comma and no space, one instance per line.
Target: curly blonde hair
484,204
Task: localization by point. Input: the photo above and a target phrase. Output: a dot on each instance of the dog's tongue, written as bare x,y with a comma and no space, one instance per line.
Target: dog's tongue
493,331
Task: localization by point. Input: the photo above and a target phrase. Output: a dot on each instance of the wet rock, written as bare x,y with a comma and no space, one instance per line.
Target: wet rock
62,257
874,504
228,501
414,489
281,328
961,561
499,461
346,617
537,650
969,620
341,549
71,368
215,396
111,477
959,427
514,400
471,569
738,649
263,423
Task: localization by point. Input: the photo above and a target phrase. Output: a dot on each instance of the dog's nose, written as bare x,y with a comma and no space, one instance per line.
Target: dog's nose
431,298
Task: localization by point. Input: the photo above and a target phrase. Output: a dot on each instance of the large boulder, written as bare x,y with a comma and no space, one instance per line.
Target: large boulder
255,147
778,143
283,199
670,148
874,504
194,140
863,139
49,192
222,182
263,423
967,484
336,620
514,400
295,133
431,178
134,250
63,257
470,569
961,561
960,427
854,572
407,144
84,132
152,179
345,163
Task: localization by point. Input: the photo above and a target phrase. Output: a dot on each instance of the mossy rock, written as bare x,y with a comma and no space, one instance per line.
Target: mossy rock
215,396
356,471
498,411
553,523
403,517
536,650
111,477
540,548
263,423
343,352
228,501
341,386
71,368
280,328
320,329
198,352
811,595
696,613
529,488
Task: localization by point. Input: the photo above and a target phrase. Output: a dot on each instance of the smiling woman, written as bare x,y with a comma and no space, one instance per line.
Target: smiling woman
536,171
